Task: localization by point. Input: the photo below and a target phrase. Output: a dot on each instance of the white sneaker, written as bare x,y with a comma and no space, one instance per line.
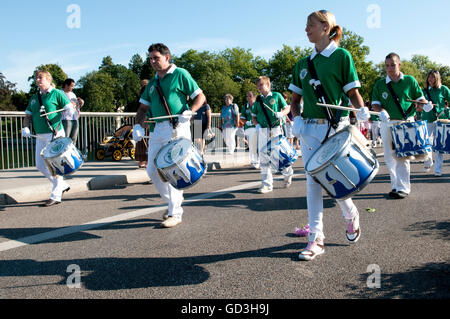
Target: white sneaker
353,232
287,181
265,189
311,251
171,222
427,165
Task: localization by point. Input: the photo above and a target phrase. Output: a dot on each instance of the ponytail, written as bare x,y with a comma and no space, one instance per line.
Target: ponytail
336,34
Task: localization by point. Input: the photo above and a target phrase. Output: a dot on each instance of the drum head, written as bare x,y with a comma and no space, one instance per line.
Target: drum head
56,147
173,153
328,150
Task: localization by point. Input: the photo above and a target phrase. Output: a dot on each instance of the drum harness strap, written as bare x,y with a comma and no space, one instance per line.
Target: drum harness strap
333,121
173,120
42,112
397,102
260,101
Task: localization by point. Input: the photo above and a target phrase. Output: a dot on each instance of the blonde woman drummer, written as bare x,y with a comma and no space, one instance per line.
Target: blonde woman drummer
47,130
438,94
337,73
406,88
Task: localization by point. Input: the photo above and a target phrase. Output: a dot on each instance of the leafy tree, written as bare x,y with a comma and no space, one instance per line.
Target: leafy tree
282,64
59,76
7,89
136,65
97,90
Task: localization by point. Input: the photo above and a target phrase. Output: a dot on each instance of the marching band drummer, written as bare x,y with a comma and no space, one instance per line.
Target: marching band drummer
47,130
437,94
335,68
405,87
268,125
176,86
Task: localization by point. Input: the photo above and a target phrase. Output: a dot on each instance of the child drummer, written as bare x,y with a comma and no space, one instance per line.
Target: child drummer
395,109
267,112
47,127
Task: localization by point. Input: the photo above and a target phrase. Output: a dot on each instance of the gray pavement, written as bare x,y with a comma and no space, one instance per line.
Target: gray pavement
29,185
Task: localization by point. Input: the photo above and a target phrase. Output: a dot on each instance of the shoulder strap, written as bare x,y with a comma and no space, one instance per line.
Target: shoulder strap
43,111
173,120
321,94
261,103
397,102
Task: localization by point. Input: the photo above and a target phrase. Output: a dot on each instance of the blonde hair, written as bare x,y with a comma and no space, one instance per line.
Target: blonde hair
438,78
264,79
334,30
229,96
47,74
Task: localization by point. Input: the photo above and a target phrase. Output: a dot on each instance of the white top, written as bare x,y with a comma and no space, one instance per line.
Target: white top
73,98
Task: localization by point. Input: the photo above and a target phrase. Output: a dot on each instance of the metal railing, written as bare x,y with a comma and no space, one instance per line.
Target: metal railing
18,152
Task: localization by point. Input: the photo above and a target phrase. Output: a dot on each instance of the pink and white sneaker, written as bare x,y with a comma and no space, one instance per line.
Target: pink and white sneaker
314,248
353,232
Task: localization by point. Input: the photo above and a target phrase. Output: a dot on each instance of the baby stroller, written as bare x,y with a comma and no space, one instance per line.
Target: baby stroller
117,146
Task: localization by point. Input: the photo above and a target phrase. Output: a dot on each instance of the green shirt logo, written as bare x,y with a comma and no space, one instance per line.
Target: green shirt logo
385,95
303,74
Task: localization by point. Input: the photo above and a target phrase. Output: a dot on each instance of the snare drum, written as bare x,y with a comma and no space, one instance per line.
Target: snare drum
411,139
62,157
180,163
441,142
279,153
343,165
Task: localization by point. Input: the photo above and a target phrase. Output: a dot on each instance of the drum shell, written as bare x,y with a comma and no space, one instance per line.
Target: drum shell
65,161
279,153
410,139
186,171
441,141
348,171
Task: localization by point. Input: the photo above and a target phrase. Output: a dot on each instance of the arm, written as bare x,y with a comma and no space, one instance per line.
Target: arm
355,98
295,104
141,114
208,118
198,102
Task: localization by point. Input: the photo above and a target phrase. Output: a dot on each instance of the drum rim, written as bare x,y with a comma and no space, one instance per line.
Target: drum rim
334,156
63,149
163,147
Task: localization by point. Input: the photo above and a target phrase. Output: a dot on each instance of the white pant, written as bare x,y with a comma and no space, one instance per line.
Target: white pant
229,135
438,157
264,136
59,185
252,136
399,168
311,139
162,135
375,130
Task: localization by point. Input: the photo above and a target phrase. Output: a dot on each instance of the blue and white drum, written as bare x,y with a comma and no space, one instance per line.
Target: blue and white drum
62,157
279,153
411,139
180,163
441,142
343,165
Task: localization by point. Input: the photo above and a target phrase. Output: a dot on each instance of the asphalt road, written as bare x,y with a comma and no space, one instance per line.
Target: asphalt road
233,243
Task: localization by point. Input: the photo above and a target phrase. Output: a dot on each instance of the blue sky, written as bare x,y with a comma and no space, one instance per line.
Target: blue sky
37,32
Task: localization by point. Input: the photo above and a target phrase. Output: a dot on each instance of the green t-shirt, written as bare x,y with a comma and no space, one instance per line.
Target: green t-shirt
53,100
406,89
246,114
337,73
276,102
177,85
438,96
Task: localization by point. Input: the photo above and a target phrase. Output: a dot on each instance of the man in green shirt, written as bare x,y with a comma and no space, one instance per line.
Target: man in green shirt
250,130
267,113
52,100
177,85
406,88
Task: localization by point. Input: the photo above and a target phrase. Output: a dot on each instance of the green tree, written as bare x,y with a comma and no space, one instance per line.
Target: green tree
136,65
7,89
97,90
59,76
282,64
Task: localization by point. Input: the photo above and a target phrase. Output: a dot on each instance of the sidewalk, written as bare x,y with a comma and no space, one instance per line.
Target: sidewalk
29,185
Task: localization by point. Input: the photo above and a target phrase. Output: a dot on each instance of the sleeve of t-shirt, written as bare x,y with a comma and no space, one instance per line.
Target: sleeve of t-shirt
63,100
376,98
417,91
349,73
145,97
296,85
190,87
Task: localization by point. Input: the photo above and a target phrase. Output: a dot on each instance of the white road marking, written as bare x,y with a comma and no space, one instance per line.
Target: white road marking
30,240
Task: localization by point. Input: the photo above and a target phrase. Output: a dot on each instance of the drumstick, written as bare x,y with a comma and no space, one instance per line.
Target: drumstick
420,102
164,117
269,108
39,137
345,108
62,110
